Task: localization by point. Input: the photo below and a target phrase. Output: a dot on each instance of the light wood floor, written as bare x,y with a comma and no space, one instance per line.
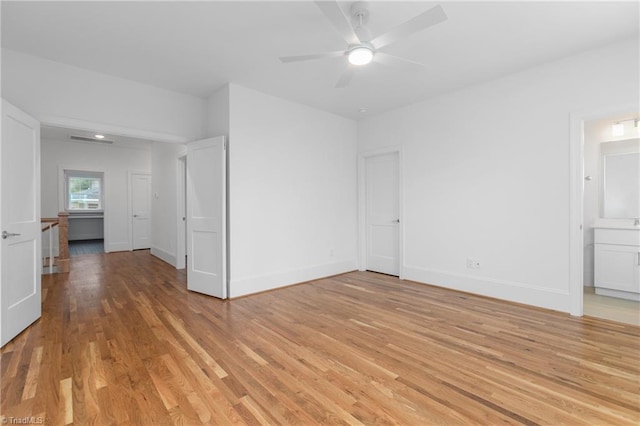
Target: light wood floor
611,308
121,341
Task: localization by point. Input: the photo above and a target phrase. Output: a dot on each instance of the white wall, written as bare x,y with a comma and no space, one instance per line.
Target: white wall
218,113
114,160
486,174
164,200
292,192
57,93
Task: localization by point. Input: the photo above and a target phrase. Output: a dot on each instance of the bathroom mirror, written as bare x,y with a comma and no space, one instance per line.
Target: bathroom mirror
621,187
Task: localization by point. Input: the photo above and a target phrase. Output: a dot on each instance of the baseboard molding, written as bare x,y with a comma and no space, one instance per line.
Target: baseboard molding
505,290
117,247
164,256
257,284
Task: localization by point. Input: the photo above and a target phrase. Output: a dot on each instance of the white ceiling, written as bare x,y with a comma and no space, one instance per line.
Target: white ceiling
196,47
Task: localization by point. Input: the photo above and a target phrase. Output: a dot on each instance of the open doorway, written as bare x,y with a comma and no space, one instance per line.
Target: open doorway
611,206
89,175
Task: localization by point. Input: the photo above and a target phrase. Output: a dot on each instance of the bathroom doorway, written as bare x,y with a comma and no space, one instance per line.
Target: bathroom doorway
611,235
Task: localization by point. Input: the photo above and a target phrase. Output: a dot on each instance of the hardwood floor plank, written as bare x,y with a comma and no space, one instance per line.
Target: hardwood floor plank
66,391
121,341
33,372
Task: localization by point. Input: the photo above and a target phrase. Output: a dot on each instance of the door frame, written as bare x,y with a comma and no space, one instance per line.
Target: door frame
576,197
362,205
181,209
130,174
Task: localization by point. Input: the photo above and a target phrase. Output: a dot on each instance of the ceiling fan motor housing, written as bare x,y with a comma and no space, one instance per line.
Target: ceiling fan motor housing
359,18
360,12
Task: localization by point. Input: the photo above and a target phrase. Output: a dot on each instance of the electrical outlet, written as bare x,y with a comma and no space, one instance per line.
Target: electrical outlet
476,263
470,262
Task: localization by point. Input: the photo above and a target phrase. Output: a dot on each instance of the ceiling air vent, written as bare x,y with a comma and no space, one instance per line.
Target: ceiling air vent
86,139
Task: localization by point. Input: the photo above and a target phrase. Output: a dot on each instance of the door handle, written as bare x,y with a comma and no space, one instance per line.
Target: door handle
396,221
135,215
6,235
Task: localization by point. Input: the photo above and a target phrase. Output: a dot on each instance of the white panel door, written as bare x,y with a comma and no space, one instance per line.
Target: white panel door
21,262
206,217
382,216
140,210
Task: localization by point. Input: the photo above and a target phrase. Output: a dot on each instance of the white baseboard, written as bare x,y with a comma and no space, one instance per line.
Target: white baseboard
164,256
505,290
117,247
257,284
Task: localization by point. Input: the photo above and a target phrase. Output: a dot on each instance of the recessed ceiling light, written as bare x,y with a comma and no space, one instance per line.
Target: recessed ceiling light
362,110
99,136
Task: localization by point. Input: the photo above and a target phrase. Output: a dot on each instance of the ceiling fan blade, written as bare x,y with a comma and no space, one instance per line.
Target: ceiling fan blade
431,17
312,56
339,20
346,77
398,62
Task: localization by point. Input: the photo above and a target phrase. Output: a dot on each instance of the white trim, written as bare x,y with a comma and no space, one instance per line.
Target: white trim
576,195
259,283
71,123
181,210
163,255
362,243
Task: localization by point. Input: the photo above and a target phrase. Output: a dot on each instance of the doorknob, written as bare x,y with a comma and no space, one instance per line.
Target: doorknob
397,221
6,235
135,215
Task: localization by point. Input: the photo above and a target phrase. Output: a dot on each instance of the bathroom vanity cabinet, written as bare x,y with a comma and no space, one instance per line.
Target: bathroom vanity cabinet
617,262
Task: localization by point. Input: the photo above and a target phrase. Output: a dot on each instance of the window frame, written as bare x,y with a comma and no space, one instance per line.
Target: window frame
69,174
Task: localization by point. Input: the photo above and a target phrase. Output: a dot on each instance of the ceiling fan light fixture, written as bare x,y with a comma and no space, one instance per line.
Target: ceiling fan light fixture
361,55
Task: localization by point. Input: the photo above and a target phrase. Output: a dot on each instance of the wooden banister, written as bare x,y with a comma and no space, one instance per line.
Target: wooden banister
48,223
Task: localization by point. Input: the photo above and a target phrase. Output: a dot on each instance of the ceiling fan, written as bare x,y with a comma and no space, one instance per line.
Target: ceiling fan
361,47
